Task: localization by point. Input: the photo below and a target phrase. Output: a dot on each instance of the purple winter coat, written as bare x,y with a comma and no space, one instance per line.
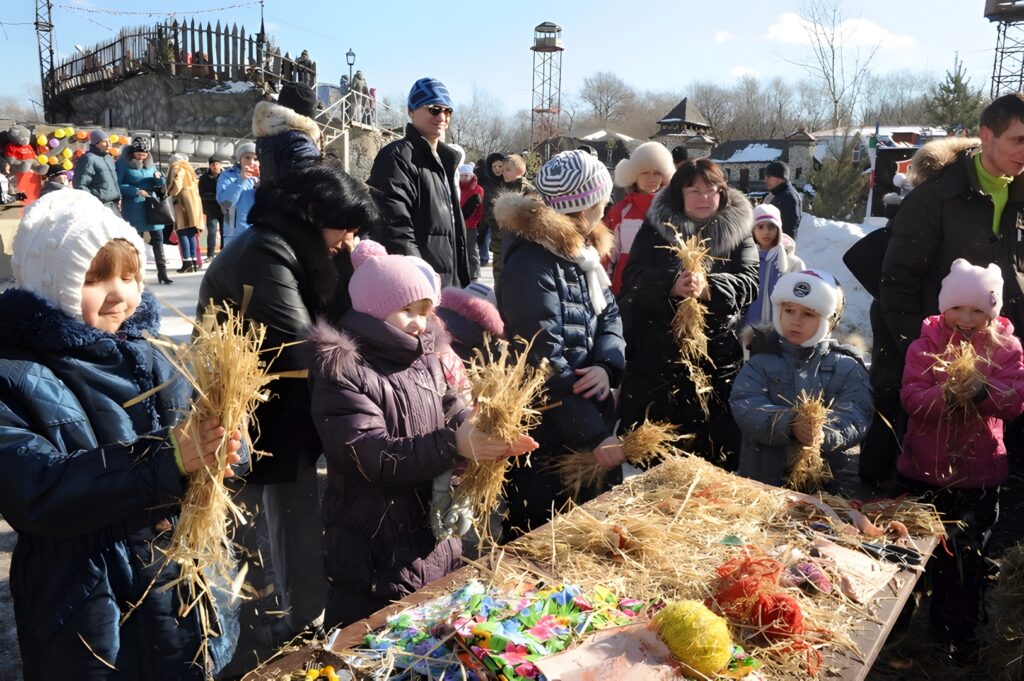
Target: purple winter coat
947,449
379,401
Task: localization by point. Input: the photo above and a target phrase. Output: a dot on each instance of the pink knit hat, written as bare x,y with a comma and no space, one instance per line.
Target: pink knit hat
384,283
966,284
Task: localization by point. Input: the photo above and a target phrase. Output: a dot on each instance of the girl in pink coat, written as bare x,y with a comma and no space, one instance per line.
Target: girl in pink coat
953,452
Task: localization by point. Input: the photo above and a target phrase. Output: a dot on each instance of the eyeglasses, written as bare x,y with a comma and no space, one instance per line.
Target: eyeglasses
693,193
436,109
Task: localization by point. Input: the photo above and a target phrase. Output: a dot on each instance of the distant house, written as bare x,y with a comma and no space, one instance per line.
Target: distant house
685,126
829,143
744,161
608,145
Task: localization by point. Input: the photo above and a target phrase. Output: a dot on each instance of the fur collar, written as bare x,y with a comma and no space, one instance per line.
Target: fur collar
271,119
932,158
31,321
336,352
725,232
531,220
189,179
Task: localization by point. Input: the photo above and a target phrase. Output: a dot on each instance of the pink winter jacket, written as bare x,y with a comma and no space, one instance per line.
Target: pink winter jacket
952,449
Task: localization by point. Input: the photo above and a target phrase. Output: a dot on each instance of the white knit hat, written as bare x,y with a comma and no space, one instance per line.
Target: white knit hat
572,181
57,240
815,289
648,156
766,212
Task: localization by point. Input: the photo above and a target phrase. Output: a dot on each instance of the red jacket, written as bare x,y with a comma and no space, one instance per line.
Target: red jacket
624,219
950,449
471,198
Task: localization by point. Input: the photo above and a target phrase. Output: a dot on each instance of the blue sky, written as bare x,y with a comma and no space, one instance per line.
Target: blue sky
485,45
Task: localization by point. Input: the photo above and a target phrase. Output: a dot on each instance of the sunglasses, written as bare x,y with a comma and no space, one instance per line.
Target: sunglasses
436,109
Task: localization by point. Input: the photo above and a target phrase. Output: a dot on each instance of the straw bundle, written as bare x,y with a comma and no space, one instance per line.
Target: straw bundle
506,389
689,324
808,471
961,364
223,366
643,445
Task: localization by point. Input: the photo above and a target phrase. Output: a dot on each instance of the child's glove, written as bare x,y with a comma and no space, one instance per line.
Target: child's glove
447,519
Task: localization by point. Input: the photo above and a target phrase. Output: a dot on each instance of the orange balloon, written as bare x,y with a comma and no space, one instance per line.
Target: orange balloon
80,153
53,161
115,152
81,135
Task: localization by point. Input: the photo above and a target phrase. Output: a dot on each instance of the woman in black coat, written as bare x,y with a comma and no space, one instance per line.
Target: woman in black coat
657,386
280,273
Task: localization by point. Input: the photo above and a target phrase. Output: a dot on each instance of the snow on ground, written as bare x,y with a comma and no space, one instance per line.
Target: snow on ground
821,244
230,87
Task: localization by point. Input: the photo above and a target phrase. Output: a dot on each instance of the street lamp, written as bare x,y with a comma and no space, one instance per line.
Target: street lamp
350,57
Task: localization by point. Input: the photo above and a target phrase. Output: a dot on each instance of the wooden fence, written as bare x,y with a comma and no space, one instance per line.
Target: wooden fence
183,50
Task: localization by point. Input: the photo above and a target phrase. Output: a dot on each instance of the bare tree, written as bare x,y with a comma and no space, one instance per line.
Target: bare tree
607,95
480,126
839,70
897,98
715,102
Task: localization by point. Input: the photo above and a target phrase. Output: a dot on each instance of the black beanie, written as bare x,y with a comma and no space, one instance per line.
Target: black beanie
679,154
298,97
777,169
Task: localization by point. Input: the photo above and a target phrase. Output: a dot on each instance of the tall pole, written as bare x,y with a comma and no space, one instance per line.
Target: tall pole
44,38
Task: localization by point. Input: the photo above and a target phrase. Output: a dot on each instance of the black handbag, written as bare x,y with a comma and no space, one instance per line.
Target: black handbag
864,259
159,211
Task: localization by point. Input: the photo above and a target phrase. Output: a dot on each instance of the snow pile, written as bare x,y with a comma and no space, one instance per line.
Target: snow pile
821,244
230,87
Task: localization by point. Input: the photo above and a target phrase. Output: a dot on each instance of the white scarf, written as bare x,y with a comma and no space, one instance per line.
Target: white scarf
597,279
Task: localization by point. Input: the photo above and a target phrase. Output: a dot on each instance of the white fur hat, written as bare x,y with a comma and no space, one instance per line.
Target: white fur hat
973,286
815,289
56,241
648,156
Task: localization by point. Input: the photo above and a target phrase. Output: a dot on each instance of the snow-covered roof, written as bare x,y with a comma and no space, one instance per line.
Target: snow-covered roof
885,130
755,152
604,134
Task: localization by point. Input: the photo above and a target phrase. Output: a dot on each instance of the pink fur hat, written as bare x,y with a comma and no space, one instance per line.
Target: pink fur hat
972,286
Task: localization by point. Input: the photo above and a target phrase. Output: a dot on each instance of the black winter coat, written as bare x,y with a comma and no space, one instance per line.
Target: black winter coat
292,280
790,204
655,382
543,295
420,206
208,195
380,403
945,217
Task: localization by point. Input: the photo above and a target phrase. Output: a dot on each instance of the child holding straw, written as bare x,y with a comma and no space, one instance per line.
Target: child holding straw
389,425
963,378
91,485
555,291
798,358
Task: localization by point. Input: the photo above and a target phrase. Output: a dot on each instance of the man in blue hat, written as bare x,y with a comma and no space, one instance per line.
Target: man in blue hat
414,182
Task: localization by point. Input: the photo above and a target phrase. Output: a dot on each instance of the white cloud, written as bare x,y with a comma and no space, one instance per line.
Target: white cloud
723,36
791,29
739,71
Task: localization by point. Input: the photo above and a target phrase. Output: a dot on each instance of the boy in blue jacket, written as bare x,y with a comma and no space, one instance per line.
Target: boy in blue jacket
91,485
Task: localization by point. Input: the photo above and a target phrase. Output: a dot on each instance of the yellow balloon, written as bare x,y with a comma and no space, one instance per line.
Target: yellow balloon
41,140
59,133
41,158
68,165
113,139
53,160
69,132
66,153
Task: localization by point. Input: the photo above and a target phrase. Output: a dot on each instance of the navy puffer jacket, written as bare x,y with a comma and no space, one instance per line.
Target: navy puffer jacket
85,481
284,140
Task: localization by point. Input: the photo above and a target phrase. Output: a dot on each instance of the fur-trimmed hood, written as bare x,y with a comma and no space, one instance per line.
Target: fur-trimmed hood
271,119
474,308
341,352
725,232
31,321
531,220
932,158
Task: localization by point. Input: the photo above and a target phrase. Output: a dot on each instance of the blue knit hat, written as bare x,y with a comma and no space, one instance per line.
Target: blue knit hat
427,91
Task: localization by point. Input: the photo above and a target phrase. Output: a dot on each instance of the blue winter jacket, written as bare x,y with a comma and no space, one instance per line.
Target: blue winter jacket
131,180
768,386
236,197
85,481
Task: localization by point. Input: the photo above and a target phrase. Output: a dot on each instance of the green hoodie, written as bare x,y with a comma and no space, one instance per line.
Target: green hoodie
996,187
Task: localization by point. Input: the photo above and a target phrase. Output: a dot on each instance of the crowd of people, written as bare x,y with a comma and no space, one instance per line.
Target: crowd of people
374,291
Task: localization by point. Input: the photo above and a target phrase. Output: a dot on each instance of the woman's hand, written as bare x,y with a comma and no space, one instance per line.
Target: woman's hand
143,193
690,285
592,382
610,453
476,445
195,455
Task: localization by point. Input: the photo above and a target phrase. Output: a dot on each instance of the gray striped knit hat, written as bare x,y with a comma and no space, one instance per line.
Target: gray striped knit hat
573,181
